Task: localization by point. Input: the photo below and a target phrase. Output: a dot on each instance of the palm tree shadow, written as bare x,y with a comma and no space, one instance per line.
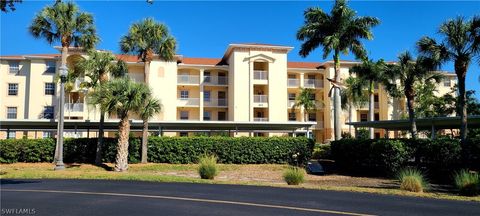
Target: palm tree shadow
104,166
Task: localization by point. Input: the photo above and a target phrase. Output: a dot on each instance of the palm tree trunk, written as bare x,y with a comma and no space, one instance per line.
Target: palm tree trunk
98,153
146,72
121,160
144,140
461,71
411,116
60,106
371,109
336,98
350,119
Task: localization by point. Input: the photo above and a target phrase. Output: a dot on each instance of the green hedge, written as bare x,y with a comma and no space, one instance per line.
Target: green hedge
241,150
385,156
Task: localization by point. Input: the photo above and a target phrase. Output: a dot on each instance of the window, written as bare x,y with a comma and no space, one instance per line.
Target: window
11,135
206,96
49,88
13,89
14,66
292,76
47,134
51,65
11,112
222,78
48,112
222,116
312,117
363,117
183,115
184,94
377,117
206,116
312,96
184,134
292,116
291,96
447,82
207,77
311,77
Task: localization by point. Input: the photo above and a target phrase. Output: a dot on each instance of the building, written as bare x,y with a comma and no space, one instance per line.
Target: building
250,83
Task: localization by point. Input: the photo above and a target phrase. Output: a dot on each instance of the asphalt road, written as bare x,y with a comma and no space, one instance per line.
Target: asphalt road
100,197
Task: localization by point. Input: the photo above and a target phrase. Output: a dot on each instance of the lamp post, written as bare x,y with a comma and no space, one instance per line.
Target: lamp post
59,156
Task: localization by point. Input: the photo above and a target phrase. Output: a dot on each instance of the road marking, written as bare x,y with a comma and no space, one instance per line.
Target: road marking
193,200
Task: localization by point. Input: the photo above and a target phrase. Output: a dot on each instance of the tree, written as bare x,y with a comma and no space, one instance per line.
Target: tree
64,23
340,31
372,73
146,39
429,105
10,4
352,97
460,43
402,77
151,107
121,97
97,67
306,101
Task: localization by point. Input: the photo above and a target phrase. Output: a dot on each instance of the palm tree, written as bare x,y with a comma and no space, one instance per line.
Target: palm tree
151,107
306,101
461,43
121,97
147,38
97,68
64,23
352,97
402,77
372,73
340,31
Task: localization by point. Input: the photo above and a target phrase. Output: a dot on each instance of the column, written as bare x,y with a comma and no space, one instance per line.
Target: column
201,94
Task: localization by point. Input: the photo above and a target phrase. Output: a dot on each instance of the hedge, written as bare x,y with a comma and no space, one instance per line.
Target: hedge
238,150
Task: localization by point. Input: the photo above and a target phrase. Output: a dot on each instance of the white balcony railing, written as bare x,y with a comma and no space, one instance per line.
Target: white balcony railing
78,82
312,83
260,75
74,107
260,99
188,101
260,119
215,80
188,79
215,102
293,83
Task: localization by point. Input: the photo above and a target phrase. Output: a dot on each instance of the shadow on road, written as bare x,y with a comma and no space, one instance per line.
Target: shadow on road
11,181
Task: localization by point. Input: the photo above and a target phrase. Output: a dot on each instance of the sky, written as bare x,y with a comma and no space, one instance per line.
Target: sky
205,28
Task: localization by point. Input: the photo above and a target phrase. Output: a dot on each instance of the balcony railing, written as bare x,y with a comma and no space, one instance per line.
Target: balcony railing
215,80
260,99
312,83
376,105
78,82
260,75
188,101
215,102
290,103
262,119
74,107
293,83
188,79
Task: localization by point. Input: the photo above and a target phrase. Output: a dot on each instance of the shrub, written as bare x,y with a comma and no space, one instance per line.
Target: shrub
467,183
294,175
388,155
207,167
412,180
442,155
322,151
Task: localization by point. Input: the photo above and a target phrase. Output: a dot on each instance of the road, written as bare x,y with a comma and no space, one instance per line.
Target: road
102,197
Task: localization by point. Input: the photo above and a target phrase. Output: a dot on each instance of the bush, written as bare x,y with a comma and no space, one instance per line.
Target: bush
467,183
294,176
322,151
412,180
207,167
442,155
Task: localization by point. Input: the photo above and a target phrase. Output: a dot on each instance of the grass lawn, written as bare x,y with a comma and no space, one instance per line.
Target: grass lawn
262,175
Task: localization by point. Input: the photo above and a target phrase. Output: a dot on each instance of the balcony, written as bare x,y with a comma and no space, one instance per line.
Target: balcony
312,83
215,80
188,79
260,98
188,102
73,107
290,103
215,102
260,119
376,105
293,83
260,75
78,83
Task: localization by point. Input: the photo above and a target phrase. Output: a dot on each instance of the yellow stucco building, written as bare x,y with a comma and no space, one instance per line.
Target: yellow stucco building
250,83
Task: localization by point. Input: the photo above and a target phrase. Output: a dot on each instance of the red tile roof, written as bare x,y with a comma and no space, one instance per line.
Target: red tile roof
203,61
307,65
127,58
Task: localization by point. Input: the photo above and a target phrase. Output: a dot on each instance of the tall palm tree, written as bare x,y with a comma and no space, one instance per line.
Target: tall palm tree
402,77
340,31
151,107
372,73
64,23
460,44
121,97
353,97
146,39
97,67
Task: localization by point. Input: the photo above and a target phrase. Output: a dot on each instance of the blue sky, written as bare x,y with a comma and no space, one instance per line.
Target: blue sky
204,29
